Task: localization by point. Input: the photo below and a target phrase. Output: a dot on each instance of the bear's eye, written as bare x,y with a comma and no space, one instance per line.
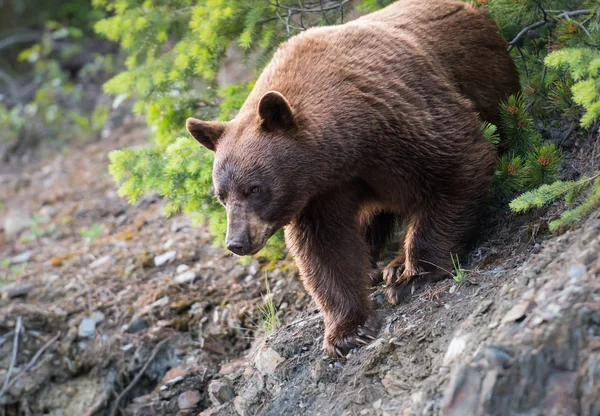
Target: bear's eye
221,197
255,190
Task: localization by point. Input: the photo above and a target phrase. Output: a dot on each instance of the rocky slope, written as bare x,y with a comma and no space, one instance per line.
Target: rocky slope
107,307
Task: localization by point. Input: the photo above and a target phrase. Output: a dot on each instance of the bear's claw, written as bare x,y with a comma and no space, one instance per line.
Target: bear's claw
363,335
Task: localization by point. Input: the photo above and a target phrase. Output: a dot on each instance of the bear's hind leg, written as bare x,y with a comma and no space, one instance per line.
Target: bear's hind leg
329,247
432,236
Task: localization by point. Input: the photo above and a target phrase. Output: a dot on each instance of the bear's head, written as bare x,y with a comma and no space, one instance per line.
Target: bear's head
257,174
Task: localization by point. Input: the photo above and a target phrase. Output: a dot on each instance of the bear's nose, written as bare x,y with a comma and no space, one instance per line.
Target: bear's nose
237,246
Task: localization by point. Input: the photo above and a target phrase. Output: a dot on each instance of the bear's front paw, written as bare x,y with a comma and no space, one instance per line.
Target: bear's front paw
338,345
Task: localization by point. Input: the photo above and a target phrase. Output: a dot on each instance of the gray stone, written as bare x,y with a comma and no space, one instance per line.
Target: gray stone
16,221
182,268
576,272
175,380
164,258
456,349
518,312
186,277
136,326
188,399
267,360
21,258
100,262
164,301
87,328
97,316
220,391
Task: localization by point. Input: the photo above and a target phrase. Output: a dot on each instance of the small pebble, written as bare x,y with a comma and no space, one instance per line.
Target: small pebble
185,277
164,258
175,380
188,399
182,268
21,258
136,326
97,316
127,347
87,328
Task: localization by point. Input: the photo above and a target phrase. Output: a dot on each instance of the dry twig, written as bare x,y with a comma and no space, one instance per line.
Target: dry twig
316,8
13,360
34,359
138,376
564,15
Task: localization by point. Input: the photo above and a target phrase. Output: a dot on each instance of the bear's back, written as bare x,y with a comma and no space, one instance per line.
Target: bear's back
405,48
464,41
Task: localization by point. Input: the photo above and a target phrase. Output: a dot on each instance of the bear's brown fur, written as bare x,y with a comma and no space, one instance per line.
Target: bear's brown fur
352,126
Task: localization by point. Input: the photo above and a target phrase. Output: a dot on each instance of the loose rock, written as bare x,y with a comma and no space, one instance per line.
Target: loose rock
518,312
188,399
97,316
15,222
21,258
456,349
100,262
87,328
186,277
220,391
267,360
164,258
182,268
136,326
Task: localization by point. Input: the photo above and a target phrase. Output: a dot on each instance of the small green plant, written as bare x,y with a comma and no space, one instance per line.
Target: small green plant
9,272
459,275
269,319
91,233
37,230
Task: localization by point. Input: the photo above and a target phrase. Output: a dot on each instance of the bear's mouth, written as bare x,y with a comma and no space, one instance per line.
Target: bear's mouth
262,241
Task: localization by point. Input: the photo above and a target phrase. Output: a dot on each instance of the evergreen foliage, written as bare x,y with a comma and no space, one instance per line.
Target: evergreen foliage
583,65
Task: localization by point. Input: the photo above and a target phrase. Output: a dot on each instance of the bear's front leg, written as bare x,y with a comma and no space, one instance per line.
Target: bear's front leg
332,255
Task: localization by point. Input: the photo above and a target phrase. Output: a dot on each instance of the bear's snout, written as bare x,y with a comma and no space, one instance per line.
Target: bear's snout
239,245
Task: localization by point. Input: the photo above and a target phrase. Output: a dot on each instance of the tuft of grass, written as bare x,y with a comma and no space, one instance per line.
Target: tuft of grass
459,275
269,320
10,273
91,233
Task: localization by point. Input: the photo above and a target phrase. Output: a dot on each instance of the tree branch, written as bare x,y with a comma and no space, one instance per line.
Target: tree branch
19,38
564,15
316,8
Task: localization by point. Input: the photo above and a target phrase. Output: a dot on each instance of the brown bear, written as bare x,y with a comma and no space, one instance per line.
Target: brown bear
351,127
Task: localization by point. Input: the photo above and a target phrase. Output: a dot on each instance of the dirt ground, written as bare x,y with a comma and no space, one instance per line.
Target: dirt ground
114,309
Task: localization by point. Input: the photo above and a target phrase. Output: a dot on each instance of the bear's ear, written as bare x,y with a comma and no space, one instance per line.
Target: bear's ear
275,112
206,132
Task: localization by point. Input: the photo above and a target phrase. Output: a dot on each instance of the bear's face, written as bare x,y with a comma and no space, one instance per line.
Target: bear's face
253,173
